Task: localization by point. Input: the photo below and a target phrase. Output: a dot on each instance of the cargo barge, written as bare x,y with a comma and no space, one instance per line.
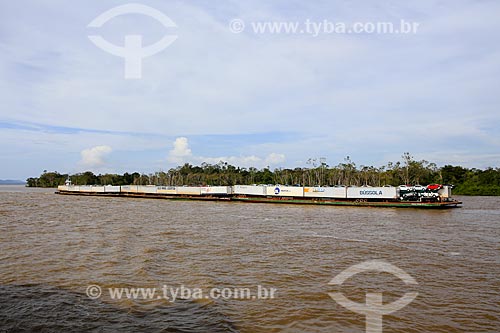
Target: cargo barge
404,196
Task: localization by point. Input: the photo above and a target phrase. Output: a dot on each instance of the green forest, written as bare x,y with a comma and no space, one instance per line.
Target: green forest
317,173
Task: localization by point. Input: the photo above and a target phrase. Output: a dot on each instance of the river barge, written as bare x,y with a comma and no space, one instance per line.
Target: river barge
404,196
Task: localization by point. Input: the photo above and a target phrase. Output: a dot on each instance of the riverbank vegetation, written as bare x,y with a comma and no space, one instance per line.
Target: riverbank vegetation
407,171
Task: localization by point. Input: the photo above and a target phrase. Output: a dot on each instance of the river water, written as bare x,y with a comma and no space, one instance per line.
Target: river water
53,247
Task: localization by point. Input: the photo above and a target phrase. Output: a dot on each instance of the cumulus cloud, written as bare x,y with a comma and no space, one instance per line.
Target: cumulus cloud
181,150
275,158
181,153
95,157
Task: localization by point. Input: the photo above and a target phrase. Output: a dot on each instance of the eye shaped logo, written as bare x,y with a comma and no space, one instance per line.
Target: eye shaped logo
373,308
132,51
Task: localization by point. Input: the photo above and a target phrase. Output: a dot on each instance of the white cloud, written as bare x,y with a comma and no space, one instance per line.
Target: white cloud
274,158
181,153
95,157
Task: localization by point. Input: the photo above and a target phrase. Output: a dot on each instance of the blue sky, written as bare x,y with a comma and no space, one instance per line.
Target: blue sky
251,99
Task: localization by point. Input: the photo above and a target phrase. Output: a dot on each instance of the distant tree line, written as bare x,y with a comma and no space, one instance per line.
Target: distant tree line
408,171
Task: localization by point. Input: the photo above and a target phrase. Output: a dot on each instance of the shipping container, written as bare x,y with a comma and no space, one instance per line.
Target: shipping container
249,189
216,190
112,189
146,189
372,193
188,190
99,189
166,189
70,188
85,188
325,192
129,188
285,191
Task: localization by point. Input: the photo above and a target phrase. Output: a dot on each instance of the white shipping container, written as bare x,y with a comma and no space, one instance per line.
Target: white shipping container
130,188
70,188
249,189
325,192
188,190
166,190
85,188
97,189
220,190
113,189
285,191
372,193
146,189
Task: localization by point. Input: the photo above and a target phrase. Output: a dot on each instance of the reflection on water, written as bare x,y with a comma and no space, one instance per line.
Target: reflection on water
52,247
